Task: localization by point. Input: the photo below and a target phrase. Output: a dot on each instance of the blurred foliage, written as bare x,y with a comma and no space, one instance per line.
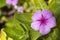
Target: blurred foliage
3,36
17,25
2,3
39,4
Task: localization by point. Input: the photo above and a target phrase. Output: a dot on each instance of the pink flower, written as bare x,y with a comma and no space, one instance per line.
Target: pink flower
11,2
20,9
43,21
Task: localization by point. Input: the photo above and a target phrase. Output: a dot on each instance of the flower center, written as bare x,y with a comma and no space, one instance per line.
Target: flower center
43,20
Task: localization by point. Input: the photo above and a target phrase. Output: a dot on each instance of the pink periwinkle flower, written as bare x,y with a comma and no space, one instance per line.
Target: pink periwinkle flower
43,21
20,9
11,2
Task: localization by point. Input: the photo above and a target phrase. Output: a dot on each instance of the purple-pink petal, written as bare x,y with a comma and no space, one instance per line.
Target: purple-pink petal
51,22
35,25
37,15
8,2
20,9
44,30
46,14
14,2
43,21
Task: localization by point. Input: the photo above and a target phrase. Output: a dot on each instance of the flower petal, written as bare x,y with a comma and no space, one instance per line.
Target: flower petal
20,9
35,25
8,2
14,2
44,30
46,14
51,22
37,15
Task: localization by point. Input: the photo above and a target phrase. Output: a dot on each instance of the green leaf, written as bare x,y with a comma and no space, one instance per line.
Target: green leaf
25,19
54,6
15,30
19,28
53,35
33,35
2,3
39,4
